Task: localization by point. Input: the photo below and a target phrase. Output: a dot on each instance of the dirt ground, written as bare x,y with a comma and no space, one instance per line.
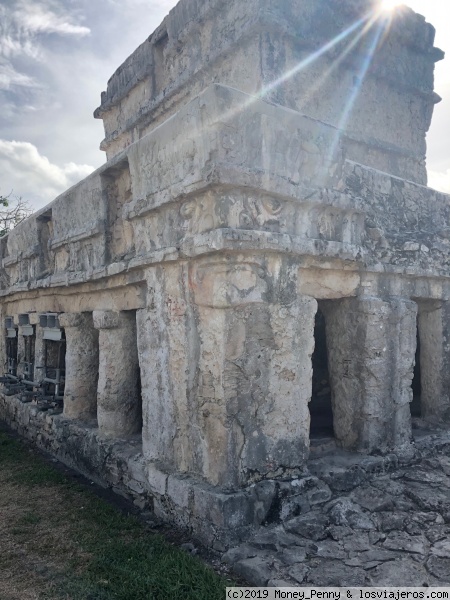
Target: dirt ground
62,537
35,533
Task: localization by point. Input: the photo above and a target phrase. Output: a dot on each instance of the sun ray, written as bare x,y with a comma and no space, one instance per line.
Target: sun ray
306,62
378,32
335,64
360,28
303,64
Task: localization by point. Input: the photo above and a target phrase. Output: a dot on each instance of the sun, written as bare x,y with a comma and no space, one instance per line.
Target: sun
389,5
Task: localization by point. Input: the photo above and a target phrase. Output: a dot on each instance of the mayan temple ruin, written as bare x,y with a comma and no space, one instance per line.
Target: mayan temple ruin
256,279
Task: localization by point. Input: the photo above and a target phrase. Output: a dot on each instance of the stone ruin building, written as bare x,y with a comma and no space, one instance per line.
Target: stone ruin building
257,275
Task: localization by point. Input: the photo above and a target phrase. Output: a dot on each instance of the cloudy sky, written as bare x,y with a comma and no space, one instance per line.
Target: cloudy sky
56,57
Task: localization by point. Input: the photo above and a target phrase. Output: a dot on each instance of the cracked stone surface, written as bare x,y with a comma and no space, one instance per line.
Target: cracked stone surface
361,538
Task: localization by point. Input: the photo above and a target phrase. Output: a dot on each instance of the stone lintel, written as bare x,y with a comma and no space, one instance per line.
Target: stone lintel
107,319
67,320
34,318
299,190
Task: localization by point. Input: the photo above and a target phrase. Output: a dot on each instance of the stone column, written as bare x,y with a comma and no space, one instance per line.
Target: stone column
167,353
225,347
80,390
38,347
434,334
20,348
2,341
371,347
249,400
119,408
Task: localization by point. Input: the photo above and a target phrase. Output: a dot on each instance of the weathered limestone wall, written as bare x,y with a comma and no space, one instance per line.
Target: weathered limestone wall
261,179
277,41
187,271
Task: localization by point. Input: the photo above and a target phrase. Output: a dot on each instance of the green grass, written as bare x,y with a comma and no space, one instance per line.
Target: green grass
30,519
115,557
32,470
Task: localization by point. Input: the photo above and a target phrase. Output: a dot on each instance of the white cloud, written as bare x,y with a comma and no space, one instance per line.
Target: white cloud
9,77
38,18
23,24
33,176
12,44
165,5
439,180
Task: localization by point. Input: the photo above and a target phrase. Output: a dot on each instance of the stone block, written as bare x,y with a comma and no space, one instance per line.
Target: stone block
157,480
313,525
345,512
395,573
180,491
137,469
299,573
106,319
224,510
135,486
254,570
332,573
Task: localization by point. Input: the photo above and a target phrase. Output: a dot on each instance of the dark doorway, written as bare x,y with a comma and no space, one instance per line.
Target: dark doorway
416,405
29,349
54,369
320,405
11,355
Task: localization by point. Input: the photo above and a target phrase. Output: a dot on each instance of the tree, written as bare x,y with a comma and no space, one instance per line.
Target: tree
12,212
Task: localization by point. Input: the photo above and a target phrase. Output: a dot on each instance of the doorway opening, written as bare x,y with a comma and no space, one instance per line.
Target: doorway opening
53,371
139,415
26,363
11,347
320,407
416,404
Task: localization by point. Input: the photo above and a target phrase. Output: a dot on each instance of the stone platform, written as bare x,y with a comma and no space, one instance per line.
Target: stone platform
342,504
391,529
